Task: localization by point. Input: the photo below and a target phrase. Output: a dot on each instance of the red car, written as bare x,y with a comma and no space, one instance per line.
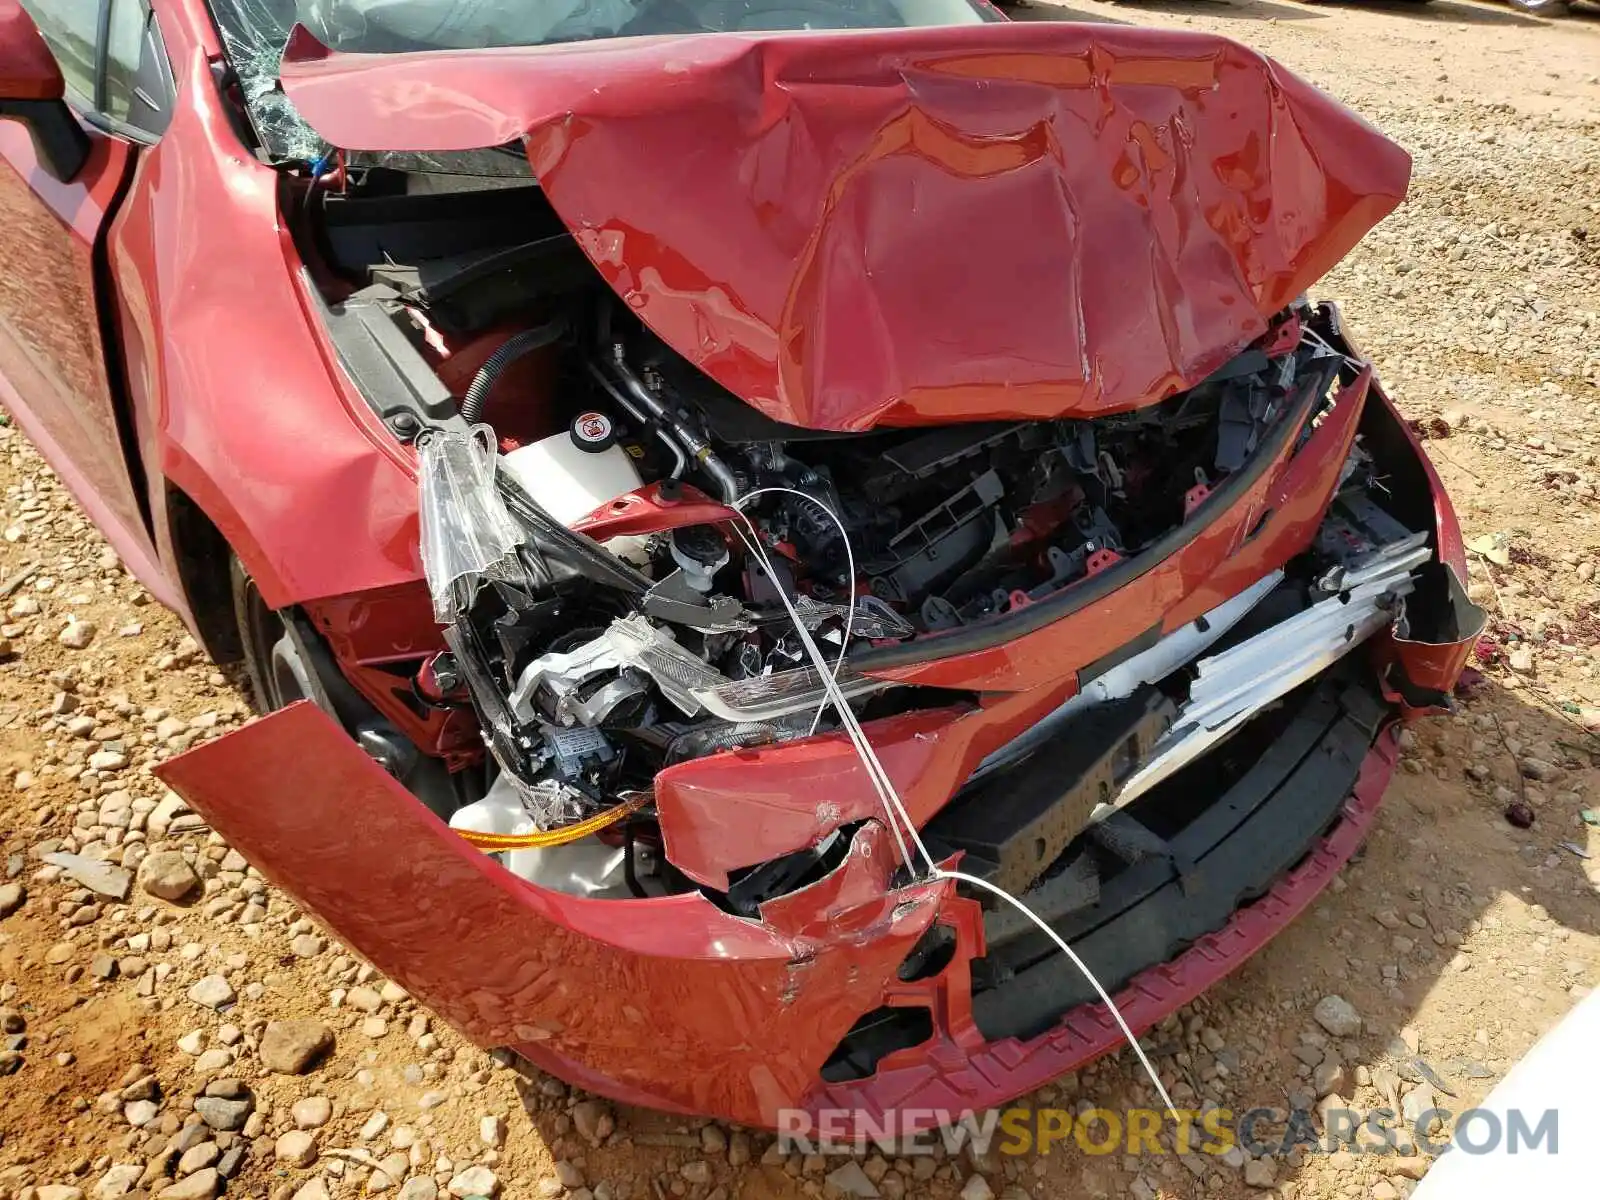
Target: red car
532,395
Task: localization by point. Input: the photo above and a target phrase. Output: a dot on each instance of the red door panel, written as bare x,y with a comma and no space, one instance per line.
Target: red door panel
52,362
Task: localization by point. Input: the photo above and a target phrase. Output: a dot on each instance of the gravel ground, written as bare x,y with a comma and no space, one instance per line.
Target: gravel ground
172,1025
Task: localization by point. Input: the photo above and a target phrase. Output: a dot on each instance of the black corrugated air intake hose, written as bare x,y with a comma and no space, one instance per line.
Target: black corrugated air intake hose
513,348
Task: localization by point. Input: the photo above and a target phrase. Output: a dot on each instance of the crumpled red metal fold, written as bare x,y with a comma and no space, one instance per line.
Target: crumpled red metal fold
912,226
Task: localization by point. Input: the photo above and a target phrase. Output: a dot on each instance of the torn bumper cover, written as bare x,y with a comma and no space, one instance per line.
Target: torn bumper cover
670,1002
859,991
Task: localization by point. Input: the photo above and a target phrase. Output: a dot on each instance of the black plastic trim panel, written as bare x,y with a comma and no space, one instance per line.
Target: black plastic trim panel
1232,853
997,631
1013,827
1131,648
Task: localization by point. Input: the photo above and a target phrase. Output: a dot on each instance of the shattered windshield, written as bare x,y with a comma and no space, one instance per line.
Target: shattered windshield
254,32
382,26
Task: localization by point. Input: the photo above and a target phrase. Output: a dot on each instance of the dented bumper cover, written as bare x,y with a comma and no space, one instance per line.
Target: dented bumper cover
673,1003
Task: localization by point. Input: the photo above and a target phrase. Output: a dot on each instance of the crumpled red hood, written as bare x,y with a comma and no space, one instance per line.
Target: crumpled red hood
911,226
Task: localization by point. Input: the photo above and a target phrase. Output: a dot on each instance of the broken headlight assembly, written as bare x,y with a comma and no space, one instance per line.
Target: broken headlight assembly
608,619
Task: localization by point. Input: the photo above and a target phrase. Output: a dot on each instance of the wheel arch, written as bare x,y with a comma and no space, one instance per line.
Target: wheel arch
199,557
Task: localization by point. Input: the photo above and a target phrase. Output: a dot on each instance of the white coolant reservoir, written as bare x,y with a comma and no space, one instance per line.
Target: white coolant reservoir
500,811
585,867
574,472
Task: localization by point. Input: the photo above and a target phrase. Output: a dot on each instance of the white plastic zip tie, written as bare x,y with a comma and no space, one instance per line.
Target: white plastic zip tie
894,810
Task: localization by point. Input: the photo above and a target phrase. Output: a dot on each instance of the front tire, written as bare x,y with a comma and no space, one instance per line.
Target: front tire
289,662
285,657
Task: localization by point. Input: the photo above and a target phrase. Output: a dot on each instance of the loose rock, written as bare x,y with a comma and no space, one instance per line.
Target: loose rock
198,1157
307,945
851,1180
364,999
167,875
223,1114
213,991
1260,1173
118,1181
77,634
568,1174
102,878
1328,1077
474,1181
1338,1016
593,1120
313,1112
696,1171
492,1131
294,1047
297,1148
202,1185
1412,1167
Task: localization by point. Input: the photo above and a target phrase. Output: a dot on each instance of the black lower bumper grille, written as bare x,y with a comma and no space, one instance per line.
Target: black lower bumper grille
1222,842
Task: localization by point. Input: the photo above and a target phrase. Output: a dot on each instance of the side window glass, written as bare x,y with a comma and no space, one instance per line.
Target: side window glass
70,27
138,86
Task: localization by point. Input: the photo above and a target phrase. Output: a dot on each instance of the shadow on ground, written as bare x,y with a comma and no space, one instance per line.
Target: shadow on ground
1444,11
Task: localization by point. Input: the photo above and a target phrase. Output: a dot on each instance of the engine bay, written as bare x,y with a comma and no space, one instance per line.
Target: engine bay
620,550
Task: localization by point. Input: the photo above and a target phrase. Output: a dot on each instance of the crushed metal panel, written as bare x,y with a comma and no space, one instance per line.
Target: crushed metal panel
911,226
648,1001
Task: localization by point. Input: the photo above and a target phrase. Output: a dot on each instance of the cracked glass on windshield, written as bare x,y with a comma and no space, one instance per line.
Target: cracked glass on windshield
254,33
383,26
